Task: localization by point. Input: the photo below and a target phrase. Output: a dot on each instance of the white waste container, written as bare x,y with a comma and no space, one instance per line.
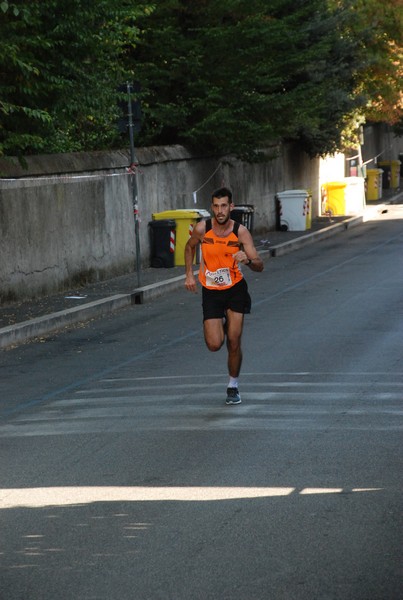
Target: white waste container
294,210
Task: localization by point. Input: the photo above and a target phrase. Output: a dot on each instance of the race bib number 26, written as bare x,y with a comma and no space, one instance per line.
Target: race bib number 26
218,278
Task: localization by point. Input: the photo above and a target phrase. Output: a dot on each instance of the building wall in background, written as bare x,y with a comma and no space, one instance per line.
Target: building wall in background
68,218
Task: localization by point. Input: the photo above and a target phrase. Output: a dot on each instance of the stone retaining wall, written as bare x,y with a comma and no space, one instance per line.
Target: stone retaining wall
68,218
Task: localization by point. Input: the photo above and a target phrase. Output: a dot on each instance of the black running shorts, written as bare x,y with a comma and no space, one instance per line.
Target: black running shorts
216,302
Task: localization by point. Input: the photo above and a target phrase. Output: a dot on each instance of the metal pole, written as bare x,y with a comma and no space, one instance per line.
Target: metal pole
133,168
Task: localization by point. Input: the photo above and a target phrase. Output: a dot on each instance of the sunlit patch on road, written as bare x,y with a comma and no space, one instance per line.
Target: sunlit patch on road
72,496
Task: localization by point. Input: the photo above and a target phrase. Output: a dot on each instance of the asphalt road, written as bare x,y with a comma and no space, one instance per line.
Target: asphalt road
125,477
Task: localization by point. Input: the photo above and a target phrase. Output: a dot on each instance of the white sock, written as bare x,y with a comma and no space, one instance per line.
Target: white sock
233,382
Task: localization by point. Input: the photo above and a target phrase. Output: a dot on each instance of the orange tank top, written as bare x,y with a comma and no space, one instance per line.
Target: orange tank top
218,269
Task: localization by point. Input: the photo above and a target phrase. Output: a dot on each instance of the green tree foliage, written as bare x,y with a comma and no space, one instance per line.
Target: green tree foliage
234,75
225,76
379,26
60,65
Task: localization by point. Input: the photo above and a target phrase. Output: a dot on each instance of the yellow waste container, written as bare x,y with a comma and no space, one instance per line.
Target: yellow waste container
185,220
374,184
392,166
344,197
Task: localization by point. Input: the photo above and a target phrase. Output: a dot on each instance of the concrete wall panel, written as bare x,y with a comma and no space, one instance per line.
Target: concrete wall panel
68,218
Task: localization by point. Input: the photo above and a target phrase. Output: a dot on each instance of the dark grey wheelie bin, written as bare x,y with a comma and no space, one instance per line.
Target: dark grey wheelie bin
163,234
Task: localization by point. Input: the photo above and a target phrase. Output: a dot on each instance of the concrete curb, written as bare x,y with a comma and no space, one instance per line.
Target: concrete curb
315,236
40,326
21,332
154,290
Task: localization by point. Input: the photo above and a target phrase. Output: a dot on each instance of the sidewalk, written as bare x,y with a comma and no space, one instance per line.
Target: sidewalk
23,321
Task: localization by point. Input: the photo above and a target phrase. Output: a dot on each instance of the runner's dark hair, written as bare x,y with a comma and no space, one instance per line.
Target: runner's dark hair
222,193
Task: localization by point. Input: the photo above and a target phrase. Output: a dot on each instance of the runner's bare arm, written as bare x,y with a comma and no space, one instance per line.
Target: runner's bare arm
190,249
249,255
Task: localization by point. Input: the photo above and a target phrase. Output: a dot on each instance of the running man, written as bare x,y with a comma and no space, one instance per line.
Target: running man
225,245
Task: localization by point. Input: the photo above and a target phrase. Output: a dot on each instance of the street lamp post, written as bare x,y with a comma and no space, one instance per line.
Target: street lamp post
133,171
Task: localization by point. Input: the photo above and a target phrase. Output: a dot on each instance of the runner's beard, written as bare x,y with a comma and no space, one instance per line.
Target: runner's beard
220,217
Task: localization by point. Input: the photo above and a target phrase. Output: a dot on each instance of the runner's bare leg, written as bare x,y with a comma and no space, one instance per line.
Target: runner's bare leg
234,334
214,334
